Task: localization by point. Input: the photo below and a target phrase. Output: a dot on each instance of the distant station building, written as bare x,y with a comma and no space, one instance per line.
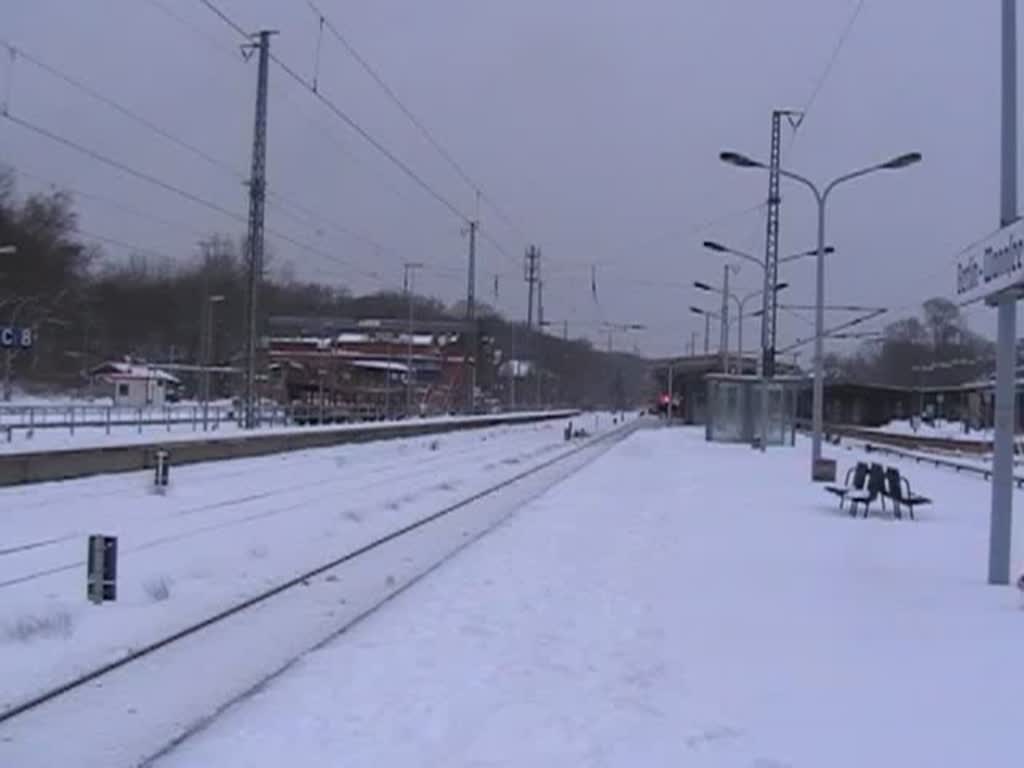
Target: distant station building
847,403
368,368
689,381
134,385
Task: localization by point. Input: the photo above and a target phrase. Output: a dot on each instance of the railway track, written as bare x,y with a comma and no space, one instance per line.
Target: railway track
914,442
292,498
445,532
966,457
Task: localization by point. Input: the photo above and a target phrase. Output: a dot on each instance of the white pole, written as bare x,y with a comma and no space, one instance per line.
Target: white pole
1001,524
818,415
725,321
739,341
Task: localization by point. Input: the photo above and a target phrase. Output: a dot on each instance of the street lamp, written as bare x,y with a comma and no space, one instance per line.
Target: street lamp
707,326
821,196
717,247
724,317
624,328
711,245
8,250
741,303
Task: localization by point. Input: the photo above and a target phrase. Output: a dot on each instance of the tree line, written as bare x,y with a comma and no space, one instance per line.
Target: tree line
87,308
935,348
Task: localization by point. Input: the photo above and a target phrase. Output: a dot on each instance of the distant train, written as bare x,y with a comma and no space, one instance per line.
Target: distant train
661,404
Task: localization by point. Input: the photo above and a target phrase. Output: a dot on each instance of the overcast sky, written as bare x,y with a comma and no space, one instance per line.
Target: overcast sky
594,125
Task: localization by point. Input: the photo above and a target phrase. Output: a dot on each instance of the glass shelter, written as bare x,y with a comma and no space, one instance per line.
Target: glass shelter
734,408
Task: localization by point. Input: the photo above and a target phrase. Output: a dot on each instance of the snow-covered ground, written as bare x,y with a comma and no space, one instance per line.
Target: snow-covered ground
224,531
674,604
55,439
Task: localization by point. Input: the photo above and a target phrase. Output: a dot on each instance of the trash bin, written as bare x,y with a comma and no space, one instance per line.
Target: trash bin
825,471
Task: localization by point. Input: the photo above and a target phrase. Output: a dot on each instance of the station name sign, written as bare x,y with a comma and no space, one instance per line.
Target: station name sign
15,338
993,266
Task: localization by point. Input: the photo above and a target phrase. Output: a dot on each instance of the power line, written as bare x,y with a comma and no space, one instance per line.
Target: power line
123,110
314,123
424,131
355,126
118,165
81,193
829,65
499,248
689,230
143,176
225,18
210,40
834,57
132,247
276,199
398,162
282,202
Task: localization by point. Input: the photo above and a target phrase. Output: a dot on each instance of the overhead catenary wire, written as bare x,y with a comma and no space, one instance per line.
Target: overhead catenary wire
118,165
123,110
358,128
277,200
78,192
172,188
827,71
443,151
225,18
833,58
233,56
195,28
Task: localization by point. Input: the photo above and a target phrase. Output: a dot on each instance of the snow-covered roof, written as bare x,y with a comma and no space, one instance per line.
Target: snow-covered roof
380,365
517,368
116,370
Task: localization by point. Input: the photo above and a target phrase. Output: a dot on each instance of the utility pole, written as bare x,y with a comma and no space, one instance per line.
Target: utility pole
540,343
408,280
254,244
469,369
724,350
531,270
531,273
707,334
540,303
771,253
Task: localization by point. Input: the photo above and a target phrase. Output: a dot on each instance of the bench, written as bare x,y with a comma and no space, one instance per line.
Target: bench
897,490
853,482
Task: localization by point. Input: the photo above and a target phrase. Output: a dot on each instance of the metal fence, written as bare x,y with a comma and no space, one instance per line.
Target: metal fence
23,421
27,419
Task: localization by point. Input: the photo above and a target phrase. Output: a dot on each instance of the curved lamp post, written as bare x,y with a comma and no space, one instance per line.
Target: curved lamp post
821,196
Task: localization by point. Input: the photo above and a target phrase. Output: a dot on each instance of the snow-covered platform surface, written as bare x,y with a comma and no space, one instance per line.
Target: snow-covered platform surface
128,433
673,604
224,532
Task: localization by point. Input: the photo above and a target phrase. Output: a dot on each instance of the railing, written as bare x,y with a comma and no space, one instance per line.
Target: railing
878,443
26,419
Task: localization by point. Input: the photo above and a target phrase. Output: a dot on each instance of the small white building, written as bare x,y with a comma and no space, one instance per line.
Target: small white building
133,385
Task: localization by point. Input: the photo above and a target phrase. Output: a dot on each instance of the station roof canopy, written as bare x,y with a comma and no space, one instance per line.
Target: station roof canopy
699,366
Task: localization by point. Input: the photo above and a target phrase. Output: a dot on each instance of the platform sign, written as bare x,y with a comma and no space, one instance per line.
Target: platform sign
162,471
15,338
101,570
993,266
